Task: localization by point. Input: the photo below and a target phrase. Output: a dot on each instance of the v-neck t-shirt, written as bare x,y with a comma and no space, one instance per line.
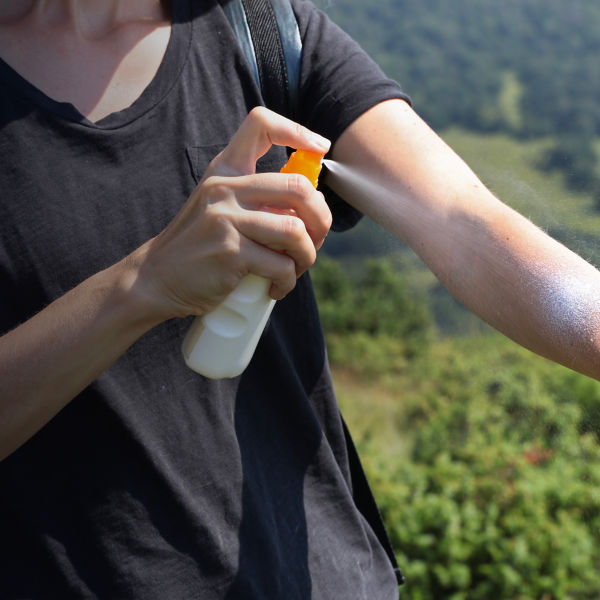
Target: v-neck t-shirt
156,482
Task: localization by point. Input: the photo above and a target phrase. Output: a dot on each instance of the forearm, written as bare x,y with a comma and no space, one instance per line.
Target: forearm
49,359
523,283
490,258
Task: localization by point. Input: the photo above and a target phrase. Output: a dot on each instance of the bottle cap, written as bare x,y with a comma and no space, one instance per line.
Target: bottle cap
305,163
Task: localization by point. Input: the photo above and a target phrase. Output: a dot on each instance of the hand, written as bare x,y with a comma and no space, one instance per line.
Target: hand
238,222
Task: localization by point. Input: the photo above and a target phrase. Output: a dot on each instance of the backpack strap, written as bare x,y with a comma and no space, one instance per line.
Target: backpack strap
269,37
236,15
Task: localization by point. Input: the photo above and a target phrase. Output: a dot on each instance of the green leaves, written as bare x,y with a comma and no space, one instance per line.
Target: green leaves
523,67
497,492
373,320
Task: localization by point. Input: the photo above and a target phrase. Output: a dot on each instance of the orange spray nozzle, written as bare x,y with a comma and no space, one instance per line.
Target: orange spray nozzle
305,163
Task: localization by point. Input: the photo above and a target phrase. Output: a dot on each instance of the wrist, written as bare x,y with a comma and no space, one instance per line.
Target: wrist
140,292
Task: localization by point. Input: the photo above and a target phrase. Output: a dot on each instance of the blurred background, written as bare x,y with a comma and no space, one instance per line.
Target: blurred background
484,458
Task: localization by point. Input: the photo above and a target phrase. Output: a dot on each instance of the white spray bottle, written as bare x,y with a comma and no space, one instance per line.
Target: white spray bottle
221,343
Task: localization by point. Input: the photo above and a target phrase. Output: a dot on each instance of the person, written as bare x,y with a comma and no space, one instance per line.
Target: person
139,186
133,200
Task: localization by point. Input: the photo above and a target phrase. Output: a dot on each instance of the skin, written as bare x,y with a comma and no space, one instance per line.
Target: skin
96,55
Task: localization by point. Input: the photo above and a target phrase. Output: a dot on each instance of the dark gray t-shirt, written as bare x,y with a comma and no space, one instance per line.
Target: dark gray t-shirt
156,483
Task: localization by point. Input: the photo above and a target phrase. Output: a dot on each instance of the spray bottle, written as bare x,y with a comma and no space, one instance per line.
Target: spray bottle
221,343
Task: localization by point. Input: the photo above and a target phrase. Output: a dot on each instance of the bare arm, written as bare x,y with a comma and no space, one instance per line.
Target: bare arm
492,259
221,234
48,360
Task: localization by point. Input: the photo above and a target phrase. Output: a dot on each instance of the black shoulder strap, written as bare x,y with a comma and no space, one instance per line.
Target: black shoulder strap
268,34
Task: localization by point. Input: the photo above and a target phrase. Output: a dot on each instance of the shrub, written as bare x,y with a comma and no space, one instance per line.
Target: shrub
498,496
373,310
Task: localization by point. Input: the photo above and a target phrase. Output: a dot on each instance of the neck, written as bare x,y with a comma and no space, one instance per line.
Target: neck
90,18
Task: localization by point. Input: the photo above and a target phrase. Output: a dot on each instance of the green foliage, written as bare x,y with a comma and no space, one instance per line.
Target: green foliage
364,318
484,458
495,494
509,101
575,156
367,355
385,305
524,67
462,50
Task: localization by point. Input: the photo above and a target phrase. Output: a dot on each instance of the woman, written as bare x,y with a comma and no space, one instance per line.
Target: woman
129,146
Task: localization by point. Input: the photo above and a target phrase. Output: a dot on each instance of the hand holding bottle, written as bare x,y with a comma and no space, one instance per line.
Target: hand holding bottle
238,222
222,342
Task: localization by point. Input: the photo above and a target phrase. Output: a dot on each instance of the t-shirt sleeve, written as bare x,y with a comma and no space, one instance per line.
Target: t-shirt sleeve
339,82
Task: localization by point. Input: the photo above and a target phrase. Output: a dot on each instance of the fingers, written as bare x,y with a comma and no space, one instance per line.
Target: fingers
281,234
231,206
237,222
279,269
259,131
284,194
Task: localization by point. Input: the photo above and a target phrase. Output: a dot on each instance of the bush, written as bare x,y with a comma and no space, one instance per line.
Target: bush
366,355
499,496
575,157
376,313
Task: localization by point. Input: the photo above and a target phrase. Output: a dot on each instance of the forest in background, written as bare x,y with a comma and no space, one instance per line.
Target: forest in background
525,67
483,457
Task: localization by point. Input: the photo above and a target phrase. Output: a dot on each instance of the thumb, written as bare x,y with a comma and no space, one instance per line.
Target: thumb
261,129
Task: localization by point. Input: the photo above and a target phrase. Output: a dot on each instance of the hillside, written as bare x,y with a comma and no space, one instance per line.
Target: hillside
524,67
483,457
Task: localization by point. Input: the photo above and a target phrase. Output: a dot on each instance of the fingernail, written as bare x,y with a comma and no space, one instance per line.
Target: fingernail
323,143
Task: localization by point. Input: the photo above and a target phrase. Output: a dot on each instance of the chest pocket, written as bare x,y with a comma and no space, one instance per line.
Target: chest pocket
199,158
